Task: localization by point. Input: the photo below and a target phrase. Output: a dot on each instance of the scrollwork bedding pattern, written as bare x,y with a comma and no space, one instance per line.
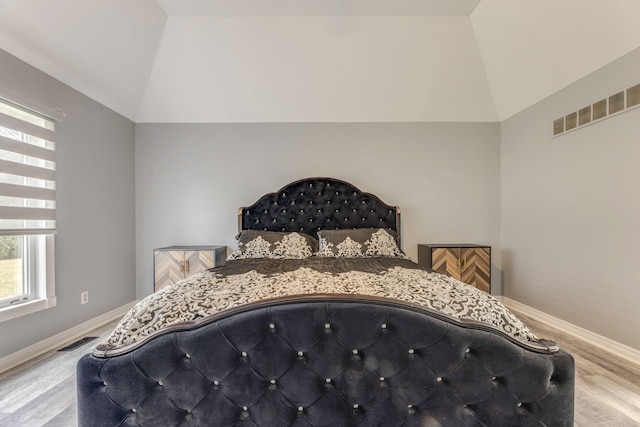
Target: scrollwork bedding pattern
249,280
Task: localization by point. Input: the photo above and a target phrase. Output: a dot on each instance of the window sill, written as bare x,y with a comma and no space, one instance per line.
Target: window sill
29,307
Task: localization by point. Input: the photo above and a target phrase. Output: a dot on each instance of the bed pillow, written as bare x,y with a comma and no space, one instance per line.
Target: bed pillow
359,242
274,244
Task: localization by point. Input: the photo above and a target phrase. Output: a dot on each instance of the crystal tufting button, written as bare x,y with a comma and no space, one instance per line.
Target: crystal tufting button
384,326
300,409
328,380
411,351
272,381
382,378
244,354
300,354
244,408
272,326
327,326
355,406
188,356
354,351
216,383
439,379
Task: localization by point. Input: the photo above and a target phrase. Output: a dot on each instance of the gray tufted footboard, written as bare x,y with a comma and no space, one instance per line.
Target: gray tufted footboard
328,361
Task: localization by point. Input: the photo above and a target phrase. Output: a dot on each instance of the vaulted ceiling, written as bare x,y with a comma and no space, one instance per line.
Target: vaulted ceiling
318,60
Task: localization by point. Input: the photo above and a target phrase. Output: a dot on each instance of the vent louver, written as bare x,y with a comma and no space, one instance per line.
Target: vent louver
614,104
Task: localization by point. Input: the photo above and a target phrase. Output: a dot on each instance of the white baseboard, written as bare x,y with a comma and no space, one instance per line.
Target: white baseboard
58,340
623,351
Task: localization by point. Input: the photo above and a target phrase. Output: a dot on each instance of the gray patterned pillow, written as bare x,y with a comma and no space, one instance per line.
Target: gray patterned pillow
359,242
274,244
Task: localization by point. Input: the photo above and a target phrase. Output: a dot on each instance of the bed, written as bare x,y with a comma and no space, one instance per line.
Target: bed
319,319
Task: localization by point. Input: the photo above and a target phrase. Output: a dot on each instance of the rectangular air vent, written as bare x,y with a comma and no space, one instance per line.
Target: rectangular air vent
614,104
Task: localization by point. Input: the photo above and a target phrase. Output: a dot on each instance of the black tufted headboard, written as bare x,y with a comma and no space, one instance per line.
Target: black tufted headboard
313,204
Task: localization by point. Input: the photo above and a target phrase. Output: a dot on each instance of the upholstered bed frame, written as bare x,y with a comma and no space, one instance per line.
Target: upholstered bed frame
295,361
315,204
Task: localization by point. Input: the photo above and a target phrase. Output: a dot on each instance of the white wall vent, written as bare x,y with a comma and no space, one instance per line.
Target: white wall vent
615,104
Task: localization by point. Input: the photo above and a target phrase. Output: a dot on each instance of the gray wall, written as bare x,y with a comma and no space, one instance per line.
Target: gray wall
191,178
571,208
95,208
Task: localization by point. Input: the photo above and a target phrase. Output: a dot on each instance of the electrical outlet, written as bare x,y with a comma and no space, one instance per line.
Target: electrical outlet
84,297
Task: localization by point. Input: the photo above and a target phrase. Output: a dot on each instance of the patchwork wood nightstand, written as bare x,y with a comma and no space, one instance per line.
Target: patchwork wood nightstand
175,263
468,263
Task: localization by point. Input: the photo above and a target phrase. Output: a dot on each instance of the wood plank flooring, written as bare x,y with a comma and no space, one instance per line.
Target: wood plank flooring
42,391
607,387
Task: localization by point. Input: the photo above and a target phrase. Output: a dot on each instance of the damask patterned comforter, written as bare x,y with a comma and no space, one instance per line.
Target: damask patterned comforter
249,280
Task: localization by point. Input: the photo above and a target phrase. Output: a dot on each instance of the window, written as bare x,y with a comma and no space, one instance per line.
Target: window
27,210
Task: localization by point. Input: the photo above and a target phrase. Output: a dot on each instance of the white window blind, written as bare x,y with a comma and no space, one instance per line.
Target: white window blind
27,172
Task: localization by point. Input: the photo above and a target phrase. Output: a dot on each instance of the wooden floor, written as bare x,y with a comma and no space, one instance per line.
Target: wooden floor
42,391
607,387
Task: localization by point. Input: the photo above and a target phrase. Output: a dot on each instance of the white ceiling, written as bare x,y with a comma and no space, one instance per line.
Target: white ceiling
318,60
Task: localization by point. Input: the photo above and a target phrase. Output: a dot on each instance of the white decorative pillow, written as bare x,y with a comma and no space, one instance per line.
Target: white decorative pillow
359,242
274,244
